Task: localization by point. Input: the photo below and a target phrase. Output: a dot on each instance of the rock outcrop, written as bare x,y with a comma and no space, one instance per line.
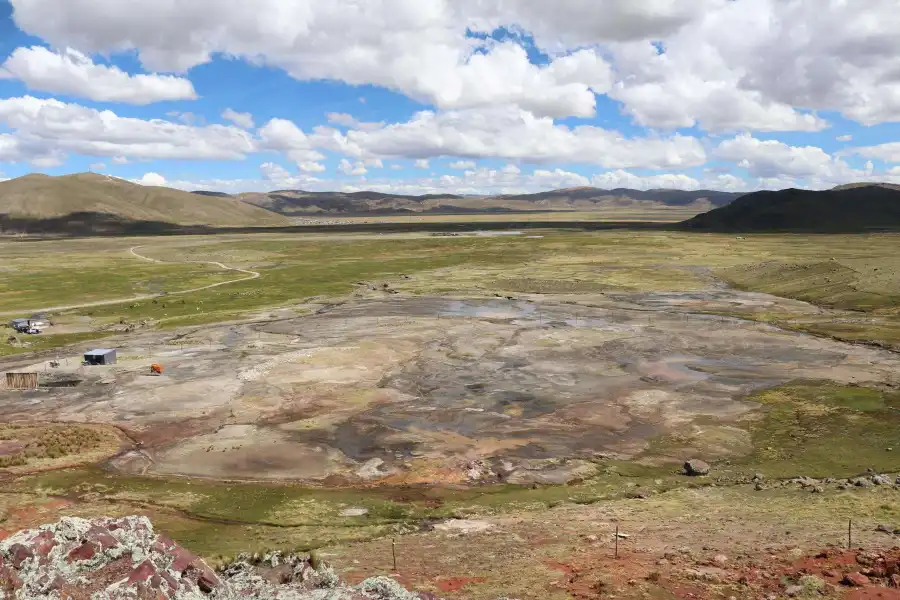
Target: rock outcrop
113,559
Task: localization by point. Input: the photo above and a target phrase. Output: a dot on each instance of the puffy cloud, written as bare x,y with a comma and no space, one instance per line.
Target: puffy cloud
624,179
557,179
462,165
844,138
342,119
311,167
750,64
422,163
889,152
152,179
283,136
242,120
771,158
44,126
72,73
727,65
512,134
574,23
775,163
418,48
188,118
357,169
10,149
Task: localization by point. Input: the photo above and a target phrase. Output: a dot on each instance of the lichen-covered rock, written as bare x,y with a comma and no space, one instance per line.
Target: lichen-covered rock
118,559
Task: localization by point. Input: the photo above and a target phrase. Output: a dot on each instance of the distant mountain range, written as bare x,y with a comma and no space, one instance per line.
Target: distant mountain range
303,203
847,208
92,203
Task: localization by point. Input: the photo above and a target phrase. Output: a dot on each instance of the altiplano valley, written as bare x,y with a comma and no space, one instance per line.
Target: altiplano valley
449,300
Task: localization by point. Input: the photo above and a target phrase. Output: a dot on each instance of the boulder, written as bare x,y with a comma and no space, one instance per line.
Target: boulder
696,468
855,580
125,559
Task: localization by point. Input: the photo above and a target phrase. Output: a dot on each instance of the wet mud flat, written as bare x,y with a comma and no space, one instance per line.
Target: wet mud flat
442,390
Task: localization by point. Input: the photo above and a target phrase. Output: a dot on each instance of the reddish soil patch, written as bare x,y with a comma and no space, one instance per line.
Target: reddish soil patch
166,433
455,584
683,576
557,566
871,593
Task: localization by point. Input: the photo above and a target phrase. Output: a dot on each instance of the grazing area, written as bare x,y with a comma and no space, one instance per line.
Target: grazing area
497,403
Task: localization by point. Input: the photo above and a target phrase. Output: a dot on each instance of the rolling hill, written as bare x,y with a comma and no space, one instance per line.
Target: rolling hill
43,198
303,203
847,208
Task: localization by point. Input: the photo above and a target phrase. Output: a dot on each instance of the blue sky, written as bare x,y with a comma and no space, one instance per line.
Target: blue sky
496,96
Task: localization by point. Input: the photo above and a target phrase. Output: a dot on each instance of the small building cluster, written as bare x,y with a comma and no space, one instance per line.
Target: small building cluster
31,325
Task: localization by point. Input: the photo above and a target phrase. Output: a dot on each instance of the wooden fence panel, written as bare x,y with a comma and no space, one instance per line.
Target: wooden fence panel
22,381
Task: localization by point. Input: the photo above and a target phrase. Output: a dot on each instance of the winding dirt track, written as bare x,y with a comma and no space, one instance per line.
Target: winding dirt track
250,275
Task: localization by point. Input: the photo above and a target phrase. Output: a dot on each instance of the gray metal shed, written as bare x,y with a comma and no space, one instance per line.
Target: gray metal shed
101,356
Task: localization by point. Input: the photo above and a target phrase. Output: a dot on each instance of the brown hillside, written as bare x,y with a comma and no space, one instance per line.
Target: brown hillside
44,197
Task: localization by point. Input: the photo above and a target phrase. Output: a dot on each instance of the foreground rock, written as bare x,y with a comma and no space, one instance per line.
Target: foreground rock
696,468
124,558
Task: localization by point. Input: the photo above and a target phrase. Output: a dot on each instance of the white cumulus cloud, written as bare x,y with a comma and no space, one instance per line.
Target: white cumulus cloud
242,120
46,126
72,73
512,134
462,165
152,179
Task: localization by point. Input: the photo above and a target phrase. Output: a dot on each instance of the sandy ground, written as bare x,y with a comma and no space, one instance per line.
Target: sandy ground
397,389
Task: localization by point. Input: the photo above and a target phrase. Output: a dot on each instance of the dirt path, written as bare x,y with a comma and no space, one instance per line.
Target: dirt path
250,276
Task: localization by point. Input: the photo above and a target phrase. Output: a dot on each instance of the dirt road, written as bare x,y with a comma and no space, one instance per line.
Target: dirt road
250,275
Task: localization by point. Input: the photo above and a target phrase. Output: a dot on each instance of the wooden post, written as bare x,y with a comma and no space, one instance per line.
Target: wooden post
394,553
850,534
617,542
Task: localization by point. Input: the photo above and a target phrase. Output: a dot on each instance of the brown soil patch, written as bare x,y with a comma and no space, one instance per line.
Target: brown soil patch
455,584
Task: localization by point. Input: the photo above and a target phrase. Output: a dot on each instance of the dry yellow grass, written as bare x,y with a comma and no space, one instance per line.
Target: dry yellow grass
42,196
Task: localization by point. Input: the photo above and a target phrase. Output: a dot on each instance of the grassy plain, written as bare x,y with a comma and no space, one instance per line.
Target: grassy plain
856,274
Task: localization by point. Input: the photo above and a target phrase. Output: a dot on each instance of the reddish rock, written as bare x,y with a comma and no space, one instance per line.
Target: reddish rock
142,572
170,581
48,585
9,579
19,553
163,544
183,559
892,567
855,580
43,543
895,581
85,551
279,575
101,537
207,582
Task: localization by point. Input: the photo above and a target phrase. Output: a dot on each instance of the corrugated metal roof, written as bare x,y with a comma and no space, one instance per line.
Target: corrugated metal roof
99,352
